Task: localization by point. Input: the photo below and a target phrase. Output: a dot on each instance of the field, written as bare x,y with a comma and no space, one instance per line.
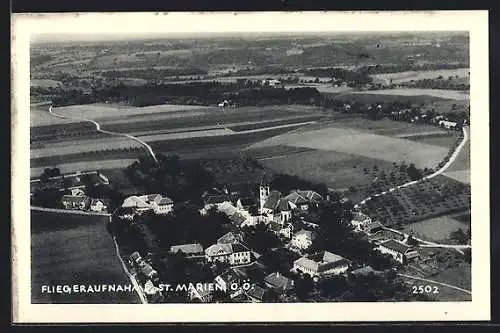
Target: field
84,166
82,252
436,139
98,111
438,229
438,93
360,143
402,77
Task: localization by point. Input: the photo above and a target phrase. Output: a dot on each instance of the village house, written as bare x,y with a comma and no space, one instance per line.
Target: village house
156,202
399,251
247,204
278,282
285,230
153,293
234,254
75,202
303,239
99,205
257,294
298,202
203,295
218,252
448,124
230,282
147,271
189,250
321,264
135,259
77,192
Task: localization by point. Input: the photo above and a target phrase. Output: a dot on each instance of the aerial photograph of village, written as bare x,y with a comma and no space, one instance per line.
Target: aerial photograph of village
250,167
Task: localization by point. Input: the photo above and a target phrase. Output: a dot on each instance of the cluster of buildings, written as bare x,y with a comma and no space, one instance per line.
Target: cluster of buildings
397,249
289,216
75,186
157,203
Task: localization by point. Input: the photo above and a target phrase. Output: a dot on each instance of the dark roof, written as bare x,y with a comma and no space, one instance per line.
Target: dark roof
187,248
249,201
272,200
215,199
231,275
165,201
276,280
395,246
238,247
74,198
282,205
147,269
237,219
256,292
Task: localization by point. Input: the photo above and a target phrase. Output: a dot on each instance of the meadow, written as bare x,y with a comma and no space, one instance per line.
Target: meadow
74,249
436,229
437,93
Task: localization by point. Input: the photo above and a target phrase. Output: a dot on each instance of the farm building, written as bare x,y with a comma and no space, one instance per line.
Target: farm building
321,264
234,254
399,251
231,237
156,202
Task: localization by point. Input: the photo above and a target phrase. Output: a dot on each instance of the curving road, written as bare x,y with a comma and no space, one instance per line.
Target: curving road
450,161
98,128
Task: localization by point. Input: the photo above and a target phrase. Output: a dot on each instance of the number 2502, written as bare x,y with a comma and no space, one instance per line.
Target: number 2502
425,289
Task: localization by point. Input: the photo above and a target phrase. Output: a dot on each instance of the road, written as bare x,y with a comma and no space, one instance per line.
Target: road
137,287
435,282
450,161
98,128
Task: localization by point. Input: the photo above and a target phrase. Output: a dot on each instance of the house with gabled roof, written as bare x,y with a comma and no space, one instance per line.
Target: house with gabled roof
321,264
233,253
278,282
257,294
156,202
399,251
231,282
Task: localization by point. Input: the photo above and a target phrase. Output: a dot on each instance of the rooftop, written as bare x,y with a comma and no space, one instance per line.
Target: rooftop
395,246
277,280
219,249
74,198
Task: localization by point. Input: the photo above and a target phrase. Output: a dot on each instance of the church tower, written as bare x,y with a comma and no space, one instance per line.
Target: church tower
263,194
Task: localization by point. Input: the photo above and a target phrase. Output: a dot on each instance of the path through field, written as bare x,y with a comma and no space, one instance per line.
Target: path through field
98,128
151,152
438,172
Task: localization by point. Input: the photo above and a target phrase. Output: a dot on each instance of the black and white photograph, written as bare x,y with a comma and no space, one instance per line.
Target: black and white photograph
288,166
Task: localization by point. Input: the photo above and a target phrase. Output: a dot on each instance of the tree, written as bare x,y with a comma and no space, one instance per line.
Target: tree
413,172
